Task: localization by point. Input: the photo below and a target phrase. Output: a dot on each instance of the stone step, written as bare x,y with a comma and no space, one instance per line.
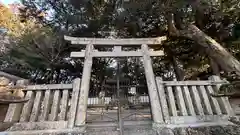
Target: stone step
137,129
131,130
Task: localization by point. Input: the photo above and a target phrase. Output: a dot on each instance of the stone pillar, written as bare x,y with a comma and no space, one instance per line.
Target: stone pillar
74,102
84,88
152,87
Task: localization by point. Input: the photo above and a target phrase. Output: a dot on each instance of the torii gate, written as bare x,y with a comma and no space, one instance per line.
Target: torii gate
90,52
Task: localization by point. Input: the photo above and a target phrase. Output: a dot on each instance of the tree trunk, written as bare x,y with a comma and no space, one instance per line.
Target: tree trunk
225,60
178,71
215,68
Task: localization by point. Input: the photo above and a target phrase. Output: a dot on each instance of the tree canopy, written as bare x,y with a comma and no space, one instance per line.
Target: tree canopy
201,34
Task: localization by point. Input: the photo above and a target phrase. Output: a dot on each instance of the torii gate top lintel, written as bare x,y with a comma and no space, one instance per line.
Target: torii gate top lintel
117,41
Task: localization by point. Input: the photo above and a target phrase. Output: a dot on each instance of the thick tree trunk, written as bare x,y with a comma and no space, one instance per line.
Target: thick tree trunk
219,55
214,67
225,60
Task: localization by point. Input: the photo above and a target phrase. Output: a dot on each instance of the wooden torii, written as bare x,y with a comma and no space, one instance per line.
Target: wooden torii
90,52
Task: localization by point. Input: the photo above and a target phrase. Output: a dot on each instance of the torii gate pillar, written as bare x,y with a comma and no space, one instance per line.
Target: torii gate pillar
84,88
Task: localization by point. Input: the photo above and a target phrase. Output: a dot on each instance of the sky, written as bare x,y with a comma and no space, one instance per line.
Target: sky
9,1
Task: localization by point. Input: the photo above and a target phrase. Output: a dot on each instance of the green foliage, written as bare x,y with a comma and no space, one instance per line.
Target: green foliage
42,54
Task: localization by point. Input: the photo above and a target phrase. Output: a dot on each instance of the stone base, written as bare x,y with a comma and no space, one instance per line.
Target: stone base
130,130
140,130
213,130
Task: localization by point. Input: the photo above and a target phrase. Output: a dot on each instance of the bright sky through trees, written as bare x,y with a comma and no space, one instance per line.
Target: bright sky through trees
9,1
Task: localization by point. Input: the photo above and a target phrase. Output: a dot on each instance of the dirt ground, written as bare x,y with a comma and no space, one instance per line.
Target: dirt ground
3,111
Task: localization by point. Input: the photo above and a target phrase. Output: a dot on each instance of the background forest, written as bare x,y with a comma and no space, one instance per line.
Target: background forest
32,44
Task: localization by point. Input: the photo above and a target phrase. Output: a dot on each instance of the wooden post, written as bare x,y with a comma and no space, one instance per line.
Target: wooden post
64,104
180,101
46,105
163,100
74,102
152,87
55,106
172,102
213,101
36,107
27,107
224,102
196,100
84,90
14,110
188,99
206,101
